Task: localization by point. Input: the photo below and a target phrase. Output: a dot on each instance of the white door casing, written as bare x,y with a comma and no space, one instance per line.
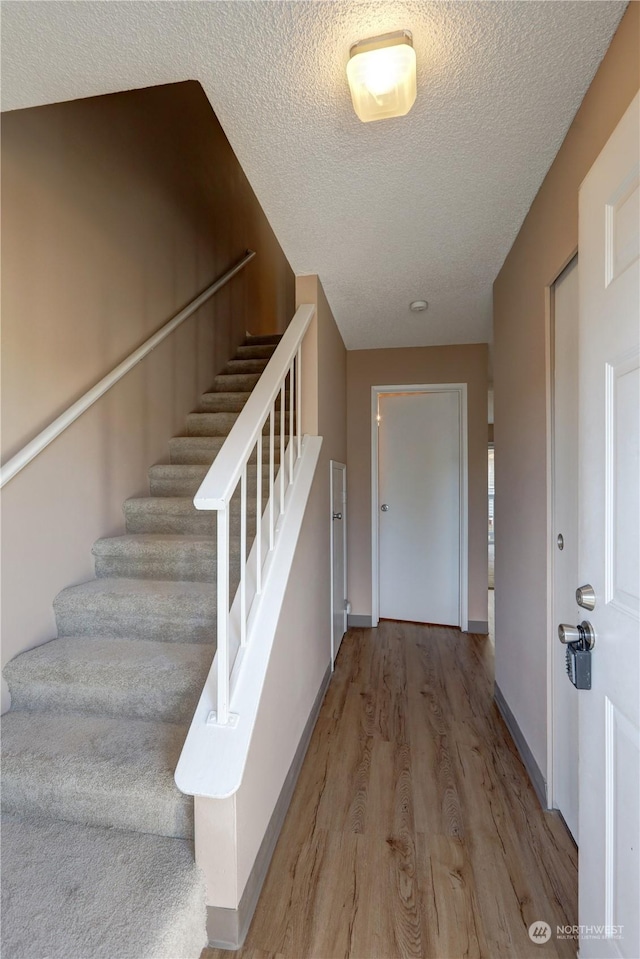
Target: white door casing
419,470
565,523
338,553
609,544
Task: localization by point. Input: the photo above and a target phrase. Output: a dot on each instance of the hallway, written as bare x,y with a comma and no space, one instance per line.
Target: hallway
413,830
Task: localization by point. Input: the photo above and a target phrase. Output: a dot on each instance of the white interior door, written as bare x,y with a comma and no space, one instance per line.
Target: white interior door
338,556
609,544
565,536
419,492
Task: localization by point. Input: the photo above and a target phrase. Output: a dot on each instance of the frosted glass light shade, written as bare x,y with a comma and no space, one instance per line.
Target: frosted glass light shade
382,76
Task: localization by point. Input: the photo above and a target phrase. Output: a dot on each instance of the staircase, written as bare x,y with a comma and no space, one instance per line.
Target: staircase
96,837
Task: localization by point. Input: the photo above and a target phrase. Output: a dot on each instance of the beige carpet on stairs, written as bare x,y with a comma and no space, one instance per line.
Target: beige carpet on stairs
97,852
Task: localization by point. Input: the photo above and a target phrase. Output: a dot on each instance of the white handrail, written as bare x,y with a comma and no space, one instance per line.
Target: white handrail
219,485
49,433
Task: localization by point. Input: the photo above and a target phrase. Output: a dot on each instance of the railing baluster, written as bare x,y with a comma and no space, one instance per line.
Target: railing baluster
299,398
243,557
259,514
291,423
271,473
283,460
223,617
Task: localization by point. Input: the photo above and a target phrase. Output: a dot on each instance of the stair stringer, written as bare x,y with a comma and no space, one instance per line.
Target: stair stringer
237,772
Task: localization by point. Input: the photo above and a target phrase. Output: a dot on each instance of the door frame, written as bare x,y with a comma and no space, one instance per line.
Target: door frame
552,625
461,390
552,635
343,467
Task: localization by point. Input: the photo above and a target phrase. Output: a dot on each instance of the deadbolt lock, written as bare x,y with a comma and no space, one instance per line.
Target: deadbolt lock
586,597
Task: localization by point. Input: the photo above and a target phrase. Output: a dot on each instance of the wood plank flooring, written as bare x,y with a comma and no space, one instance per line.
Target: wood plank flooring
413,830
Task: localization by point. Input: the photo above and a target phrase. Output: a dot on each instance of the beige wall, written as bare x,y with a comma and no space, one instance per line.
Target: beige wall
117,210
546,242
437,364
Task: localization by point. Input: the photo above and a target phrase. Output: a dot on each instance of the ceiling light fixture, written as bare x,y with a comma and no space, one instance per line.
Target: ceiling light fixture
382,76
418,306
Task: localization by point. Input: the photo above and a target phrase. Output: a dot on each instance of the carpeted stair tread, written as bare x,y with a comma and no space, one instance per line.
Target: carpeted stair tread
158,610
111,677
82,892
157,556
96,770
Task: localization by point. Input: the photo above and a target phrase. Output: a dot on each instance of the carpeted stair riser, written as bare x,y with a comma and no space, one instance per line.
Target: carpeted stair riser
263,339
183,479
111,677
158,610
98,771
245,366
223,402
220,424
201,450
177,514
255,352
231,402
232,382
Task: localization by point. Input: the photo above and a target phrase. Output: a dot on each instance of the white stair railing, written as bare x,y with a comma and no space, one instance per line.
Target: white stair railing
226,489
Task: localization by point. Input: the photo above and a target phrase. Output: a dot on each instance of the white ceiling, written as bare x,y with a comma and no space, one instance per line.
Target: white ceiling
426,206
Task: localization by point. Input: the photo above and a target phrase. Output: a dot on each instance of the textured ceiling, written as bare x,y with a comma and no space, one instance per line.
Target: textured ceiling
426,206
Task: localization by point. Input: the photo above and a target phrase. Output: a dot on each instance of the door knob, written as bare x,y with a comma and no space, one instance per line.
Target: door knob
583,634
337,515
385,507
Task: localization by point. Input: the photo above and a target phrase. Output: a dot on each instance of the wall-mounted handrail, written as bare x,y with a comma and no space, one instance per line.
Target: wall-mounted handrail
49,433
250,434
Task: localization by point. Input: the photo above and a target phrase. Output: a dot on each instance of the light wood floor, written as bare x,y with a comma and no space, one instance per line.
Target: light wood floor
413,830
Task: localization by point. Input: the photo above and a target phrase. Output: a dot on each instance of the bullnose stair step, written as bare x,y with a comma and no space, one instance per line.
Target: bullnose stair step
156,556
111,677
159,610
177,514
103,893
97,771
